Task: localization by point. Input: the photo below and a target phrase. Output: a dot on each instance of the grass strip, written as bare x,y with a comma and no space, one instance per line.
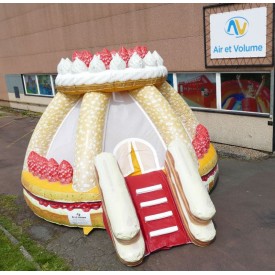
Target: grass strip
11,257
10,253
21,112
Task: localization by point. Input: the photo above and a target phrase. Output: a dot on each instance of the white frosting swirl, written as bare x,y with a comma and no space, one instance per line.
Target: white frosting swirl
117,63
77,73
135,61
64,66
96,65
109,76
149,60
78,66
158,58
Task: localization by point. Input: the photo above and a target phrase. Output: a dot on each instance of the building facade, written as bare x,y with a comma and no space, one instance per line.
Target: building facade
219,58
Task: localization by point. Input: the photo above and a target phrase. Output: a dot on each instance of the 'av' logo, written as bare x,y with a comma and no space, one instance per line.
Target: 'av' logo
237,26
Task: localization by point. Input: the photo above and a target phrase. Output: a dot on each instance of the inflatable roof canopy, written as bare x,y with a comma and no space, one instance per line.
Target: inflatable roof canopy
118,148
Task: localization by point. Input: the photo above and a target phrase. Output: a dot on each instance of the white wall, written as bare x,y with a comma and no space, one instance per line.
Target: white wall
31,103
244,131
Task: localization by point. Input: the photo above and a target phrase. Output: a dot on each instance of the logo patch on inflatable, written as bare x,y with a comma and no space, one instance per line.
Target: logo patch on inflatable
78,217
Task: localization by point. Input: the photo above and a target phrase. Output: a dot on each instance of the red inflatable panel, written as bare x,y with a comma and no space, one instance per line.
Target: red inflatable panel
164,241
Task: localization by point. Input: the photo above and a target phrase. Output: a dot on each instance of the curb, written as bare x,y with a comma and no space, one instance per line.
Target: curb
22,249
241,153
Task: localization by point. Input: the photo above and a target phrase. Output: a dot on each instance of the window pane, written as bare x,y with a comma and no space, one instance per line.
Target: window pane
31,87
54,77
198,90
249,92
45,86
170,79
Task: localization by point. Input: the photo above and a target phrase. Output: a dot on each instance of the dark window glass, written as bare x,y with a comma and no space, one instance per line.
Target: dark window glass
45,85
170,80
31,87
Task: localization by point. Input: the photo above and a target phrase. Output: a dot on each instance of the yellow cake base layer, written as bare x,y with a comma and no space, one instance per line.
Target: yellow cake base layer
55,191
208,162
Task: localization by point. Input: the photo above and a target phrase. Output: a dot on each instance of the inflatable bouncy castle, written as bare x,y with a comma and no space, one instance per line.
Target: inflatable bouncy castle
119,149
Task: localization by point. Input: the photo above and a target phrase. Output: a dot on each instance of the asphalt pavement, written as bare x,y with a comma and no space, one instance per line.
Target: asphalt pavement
245,220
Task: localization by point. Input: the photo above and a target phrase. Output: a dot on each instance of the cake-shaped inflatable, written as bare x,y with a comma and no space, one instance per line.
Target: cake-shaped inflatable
118,148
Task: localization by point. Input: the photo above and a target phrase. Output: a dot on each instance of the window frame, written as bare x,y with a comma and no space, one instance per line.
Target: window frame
37,85
218,108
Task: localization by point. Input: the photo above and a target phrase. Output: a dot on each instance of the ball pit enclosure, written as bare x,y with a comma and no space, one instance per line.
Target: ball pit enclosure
118,143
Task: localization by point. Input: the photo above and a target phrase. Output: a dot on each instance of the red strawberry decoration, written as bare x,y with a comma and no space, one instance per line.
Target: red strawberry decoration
86,209
130,52
106,57
141,51
203,133
70,207
32,161
201,141
54,205
52,170
42,168
84,56
37,165
76,54
113,52
65,172
123,53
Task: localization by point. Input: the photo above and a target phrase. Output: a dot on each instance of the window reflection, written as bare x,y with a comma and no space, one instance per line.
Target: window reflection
31,87
198,90
248,92
45,86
